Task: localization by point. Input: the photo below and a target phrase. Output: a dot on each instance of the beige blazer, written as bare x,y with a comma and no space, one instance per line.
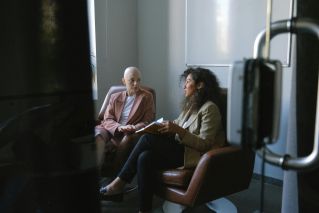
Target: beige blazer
205,132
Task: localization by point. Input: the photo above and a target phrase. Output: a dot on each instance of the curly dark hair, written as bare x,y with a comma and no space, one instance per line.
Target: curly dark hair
210,92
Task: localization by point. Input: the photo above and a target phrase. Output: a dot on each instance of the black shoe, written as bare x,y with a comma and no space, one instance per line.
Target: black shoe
117,197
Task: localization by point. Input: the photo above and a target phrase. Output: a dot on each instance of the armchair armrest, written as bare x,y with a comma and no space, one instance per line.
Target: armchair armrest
217,169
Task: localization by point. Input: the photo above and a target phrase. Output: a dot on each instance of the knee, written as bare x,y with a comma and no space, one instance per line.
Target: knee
99,139
146,138
101,135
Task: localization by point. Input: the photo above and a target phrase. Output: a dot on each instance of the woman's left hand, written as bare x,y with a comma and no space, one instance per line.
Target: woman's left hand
171,127
167,127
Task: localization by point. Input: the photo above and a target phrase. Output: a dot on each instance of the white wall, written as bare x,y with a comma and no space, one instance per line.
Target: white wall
161,36
151,35
116,42
161,66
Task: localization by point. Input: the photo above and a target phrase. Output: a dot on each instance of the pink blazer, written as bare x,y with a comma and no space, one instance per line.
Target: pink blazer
142,112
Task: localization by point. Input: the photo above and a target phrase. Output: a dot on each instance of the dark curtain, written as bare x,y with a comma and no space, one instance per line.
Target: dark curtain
306,97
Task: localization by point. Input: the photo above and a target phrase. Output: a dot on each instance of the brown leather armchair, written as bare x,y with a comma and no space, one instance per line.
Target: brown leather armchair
114,161
220,172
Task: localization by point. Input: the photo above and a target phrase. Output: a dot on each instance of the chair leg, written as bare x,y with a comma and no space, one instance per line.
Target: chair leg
222,205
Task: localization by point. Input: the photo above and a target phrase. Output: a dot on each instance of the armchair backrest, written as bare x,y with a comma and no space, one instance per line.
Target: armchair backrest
223,109
119,88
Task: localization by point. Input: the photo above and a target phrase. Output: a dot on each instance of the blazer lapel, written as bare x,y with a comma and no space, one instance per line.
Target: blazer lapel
119,105
135,106
194,116
190,120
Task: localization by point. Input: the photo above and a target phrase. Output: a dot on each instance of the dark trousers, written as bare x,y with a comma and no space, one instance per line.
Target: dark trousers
151,153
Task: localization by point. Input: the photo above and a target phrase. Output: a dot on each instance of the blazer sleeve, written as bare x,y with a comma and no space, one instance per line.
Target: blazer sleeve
110,121
202,134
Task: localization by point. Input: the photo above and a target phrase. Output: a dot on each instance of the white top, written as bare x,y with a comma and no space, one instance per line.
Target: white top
127,109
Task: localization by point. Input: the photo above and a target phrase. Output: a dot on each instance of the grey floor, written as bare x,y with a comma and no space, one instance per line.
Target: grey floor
246,201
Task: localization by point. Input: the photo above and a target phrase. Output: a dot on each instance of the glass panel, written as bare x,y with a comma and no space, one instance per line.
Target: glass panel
219,32
91,14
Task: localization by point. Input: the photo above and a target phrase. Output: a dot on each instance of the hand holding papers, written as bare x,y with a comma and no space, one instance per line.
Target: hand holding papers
152,127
